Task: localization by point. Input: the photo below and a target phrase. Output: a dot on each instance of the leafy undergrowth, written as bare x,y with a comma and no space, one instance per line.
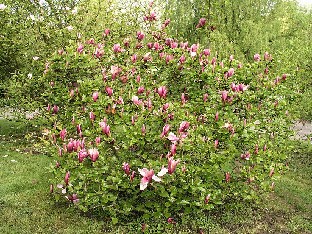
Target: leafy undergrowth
26,205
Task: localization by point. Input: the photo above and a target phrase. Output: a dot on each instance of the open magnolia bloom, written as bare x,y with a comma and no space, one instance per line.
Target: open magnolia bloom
149,175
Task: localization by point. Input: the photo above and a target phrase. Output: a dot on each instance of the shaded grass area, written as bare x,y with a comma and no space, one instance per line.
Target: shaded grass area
27,207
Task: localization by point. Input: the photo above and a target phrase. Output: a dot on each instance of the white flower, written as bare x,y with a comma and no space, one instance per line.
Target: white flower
29,75
75,11
35,58
2,7
32,17
70,28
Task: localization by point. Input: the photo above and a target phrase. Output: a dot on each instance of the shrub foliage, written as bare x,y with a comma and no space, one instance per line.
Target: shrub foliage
153,127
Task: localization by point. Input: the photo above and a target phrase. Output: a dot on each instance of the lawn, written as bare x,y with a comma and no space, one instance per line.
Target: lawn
27,207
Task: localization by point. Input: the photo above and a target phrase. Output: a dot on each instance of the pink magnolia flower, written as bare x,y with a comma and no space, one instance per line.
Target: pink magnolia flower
174,45
117,48
60,152
233,87
168,41
242,87
271,172
105,128
132,120
95,96
239,65
73,198
67,176
92,116
80,48
138,79
207,198
63,134
216,143
267,56
182,59
126,42
213,61
136,100
132,176
183,98
193,50
230,72
141,90
173,138
51,188
172,164
169,57
93,154
257,57
126,168
162,91
79,129
109,91
152,16
134,58
184,126
161,55
256,149
231,58
143,129
82,154
183,45
149,104
106,32
91,41
149,45
266,70
157,46
148,176
201,23
206,52
217,116
70,146
99,52
227,177
55,109
165,130
115,71
171,220
97,140
72,93
173,149
245,156
120,101
140,36
165,106
205,97
166,23
224,95
272,185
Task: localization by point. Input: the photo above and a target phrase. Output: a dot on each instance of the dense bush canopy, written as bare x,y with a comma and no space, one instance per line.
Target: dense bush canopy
169,109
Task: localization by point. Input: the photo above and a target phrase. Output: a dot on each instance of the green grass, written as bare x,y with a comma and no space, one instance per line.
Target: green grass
27,207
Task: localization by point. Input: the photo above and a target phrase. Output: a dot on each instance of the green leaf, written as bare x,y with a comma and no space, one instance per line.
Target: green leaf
114,220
